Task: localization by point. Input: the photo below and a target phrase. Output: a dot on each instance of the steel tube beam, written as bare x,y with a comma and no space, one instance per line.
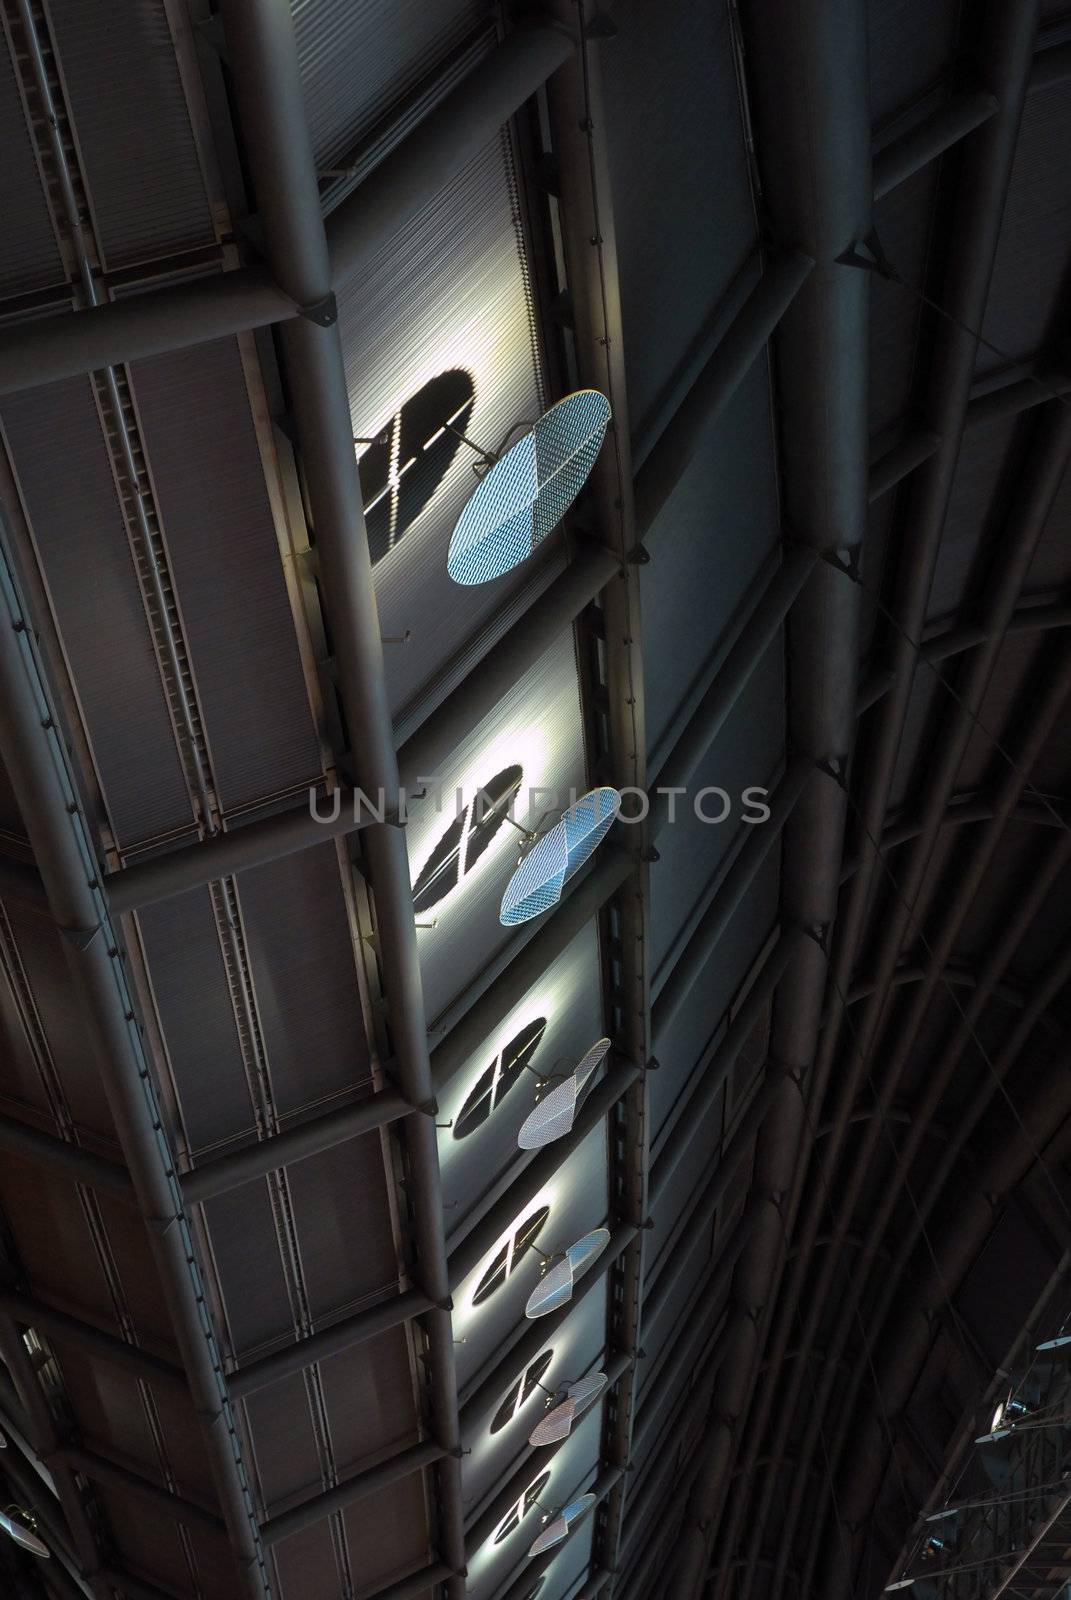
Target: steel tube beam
329,1341
373,1479
327,1132
69,343
964,111
252,844
81,1166
267,84
895,465
442,144
538,1173
91,1464
417,1585
1012,398
1042,476
488,1393
716,384
810,105
729,895
129,1358
35,757
173,317
758,634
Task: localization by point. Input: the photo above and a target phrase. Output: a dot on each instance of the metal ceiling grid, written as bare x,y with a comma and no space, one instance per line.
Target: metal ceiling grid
449,293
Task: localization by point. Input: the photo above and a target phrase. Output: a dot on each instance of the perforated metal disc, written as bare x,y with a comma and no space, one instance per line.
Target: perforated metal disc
589,1061
528,491
22,1536
1055,1344
557,1424
538,882
586,1391
577,1509
551,1291
551,1118
587,1250
554,1532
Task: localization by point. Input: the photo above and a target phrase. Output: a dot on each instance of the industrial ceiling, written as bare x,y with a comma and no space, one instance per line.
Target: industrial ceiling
279,288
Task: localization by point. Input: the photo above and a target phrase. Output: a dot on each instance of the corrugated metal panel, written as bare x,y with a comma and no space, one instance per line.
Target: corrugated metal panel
193,1001
323,1192
536,725
682,204
301,955
1028,278
388,1535
697,1021
900,75
133,128
306,1566
78,528
209,481
66,1052
241,1231
745,754
569,996
358,58
450,293
29,258
720,526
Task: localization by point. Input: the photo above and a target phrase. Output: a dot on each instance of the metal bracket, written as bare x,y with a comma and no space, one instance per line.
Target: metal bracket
324,313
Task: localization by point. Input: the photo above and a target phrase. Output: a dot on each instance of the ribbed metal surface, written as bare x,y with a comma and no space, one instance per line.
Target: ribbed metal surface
1027,301
224,557
450,292
536,726
899,75
29,258
723,518
133,127
359,58
78,528
669,87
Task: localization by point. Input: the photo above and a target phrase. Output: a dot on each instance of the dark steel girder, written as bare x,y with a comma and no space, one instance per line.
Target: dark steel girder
1015,548
35,757
1027,902
984,175
275,136
901,158
169,318
808,83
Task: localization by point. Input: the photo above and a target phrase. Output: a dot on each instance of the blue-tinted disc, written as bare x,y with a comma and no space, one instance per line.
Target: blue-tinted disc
527,492
552,1534
587,1250
537,884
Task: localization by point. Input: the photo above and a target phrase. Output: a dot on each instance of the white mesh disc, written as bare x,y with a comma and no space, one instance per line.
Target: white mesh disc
551,1291
552,1534
557,1424
29,1541
551,1118
587,1250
